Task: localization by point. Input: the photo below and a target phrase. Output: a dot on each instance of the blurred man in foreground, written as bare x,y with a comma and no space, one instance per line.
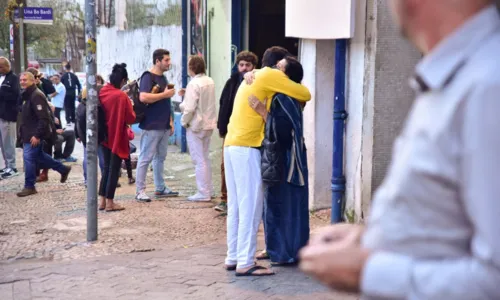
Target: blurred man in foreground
433,228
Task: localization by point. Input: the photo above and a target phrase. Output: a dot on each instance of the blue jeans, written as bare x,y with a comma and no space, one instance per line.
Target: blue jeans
154,144
100,160
33,157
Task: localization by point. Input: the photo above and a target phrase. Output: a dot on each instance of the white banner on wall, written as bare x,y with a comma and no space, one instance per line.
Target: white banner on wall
320,19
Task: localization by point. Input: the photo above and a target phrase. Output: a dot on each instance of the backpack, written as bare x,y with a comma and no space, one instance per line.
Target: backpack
134,94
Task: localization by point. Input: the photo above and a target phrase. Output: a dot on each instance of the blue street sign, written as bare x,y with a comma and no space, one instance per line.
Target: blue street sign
36,15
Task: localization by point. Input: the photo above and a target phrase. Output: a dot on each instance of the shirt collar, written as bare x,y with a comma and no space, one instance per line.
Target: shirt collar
437,68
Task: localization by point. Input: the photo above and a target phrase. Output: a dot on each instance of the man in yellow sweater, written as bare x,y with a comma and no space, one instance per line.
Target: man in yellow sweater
243,162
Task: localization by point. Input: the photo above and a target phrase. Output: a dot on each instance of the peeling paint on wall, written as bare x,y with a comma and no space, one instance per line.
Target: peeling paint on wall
135,48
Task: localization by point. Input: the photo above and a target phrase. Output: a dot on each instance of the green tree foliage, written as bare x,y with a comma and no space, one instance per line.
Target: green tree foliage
49,41
141,15
4,26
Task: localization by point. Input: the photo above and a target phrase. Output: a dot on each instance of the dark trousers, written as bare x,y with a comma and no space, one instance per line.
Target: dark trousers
128,164
68,137
69,107
223,188
57,114
35,157
109,179
47,148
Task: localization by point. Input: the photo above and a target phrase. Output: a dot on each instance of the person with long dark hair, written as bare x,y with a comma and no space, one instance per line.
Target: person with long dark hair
119,113
286,204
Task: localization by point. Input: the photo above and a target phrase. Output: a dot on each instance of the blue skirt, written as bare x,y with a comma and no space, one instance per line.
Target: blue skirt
286,221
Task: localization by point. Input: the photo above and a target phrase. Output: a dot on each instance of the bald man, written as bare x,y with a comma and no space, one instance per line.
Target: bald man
36,127
433,232
9,97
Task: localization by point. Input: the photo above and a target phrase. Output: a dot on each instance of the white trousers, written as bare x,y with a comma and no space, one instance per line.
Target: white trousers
245,194
199,148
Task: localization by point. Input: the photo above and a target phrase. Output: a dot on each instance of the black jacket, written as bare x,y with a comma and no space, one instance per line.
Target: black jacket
47,87
81,122
71,83
227,102
35,116
9,97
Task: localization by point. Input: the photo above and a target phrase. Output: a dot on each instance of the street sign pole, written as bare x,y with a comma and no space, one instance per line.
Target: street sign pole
92,102
21,38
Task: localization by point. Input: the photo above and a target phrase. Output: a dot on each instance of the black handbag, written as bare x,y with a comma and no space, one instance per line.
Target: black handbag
133,148
272,164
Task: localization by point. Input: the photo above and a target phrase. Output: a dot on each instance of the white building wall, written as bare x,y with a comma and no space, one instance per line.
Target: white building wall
135,48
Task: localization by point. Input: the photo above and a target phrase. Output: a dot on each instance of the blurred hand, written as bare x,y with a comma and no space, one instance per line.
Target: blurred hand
334,257
169,93
335,233
258,106
60,131
172,127
182,92
79,140
34,141
249,77
56,120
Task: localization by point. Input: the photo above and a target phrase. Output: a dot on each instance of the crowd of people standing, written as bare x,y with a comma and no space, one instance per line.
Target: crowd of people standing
251,101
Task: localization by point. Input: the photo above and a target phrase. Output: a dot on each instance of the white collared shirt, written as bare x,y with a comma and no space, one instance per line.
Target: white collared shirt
435,220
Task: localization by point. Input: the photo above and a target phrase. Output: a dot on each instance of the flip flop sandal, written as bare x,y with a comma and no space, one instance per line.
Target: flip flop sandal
115,207
230,267
102,207
251,271
262,256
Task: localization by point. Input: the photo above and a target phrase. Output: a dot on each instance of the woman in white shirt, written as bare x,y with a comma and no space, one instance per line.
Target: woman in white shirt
200,119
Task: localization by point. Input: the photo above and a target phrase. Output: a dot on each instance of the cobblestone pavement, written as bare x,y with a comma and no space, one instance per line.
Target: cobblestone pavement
170,249
195,273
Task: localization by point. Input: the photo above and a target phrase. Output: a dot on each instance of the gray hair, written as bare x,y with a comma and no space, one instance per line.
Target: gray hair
29,75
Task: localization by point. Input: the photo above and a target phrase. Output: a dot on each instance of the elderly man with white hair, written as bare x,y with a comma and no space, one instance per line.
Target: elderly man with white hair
433,232
9,97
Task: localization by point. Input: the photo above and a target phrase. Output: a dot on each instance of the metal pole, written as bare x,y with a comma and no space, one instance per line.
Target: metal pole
21,38
185,49
339,117
92,103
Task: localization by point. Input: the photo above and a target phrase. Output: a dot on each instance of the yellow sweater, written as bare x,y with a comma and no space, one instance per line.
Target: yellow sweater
246,127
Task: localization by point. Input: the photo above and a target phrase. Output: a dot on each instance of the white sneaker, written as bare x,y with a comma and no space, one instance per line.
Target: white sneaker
199,198
142,197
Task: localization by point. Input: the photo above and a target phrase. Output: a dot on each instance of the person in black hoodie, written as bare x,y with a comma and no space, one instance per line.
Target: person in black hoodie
36,126
72,84
9,100
246,62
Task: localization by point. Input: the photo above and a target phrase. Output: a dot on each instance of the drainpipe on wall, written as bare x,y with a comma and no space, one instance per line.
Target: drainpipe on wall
339,117
236,29
185,16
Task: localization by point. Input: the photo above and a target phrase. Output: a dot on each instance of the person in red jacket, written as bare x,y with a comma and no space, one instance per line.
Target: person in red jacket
119,113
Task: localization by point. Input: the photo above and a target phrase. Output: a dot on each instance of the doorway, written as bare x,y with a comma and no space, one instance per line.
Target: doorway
266,27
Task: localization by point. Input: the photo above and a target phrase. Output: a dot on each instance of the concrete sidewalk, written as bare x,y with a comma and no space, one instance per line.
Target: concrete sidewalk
194,273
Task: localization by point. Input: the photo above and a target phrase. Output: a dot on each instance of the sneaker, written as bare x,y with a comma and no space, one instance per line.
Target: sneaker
70,159
222,207
64,176
27,192
3,171
199,198
142,197
9,172
166,193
